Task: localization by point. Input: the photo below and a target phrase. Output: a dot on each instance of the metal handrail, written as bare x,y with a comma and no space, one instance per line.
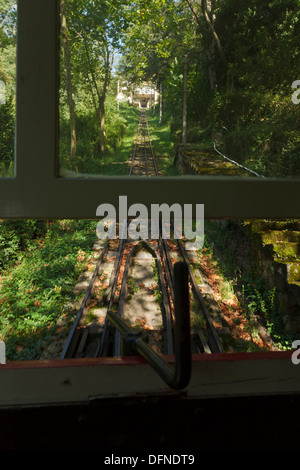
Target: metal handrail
176,377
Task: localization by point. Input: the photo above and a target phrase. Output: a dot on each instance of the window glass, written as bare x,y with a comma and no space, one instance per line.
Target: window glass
212,91
8,15
244,287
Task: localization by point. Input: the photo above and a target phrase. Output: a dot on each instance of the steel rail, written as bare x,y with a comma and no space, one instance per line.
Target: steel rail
120,311
214,342
165,254
135,149
152,151
133,158
145,152
176,377
143,149
70,344
166,311
166,314
236,163
112,288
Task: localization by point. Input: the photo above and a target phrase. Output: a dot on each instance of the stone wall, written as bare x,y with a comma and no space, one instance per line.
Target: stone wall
275,246
194,159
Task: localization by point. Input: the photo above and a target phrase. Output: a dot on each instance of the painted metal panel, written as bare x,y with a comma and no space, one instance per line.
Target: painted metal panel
37,191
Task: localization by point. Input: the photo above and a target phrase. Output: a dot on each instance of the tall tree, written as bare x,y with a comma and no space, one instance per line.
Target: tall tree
69,85
8,42
208,17
95,29
8,81
99,66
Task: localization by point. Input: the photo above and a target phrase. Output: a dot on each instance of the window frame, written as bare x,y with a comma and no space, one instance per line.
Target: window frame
37,191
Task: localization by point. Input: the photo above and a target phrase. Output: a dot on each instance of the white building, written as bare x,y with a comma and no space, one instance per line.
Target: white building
143,96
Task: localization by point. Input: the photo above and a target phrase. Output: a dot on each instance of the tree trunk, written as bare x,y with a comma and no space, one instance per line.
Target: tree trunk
184,118
210,25
213,31
102,126
67,62
160,102
101,97
211,68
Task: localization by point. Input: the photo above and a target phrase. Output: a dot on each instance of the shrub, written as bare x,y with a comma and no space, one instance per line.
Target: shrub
7,135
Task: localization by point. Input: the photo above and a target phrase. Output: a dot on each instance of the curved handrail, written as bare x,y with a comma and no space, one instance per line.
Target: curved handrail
176,377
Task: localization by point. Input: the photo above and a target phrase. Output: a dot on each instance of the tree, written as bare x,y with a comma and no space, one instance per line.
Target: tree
8,78
208,17
69,85
156,40
99,88
8,42
94,31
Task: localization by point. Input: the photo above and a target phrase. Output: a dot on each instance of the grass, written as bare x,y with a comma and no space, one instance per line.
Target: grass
163,144
258,299
37,289
114,160
116,163
121,132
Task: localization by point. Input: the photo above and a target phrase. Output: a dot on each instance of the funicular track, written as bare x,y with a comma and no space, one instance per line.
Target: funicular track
97,341
105,340
143,162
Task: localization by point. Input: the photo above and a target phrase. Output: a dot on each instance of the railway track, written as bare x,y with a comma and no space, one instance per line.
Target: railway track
143,162
149,321
95,339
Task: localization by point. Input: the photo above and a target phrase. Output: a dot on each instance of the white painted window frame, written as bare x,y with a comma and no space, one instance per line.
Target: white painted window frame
37,191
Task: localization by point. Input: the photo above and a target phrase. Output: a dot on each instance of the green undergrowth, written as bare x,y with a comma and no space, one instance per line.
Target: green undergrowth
7,137
42,264
163,143
121,130
236,264
258,129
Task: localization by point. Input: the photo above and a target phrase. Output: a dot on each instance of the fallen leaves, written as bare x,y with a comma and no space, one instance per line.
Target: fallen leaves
230,307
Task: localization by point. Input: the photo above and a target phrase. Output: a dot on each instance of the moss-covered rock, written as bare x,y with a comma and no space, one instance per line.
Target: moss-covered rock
276,249
200,160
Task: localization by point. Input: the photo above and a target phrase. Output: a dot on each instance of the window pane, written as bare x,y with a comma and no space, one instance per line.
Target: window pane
246,273
152,83
8,14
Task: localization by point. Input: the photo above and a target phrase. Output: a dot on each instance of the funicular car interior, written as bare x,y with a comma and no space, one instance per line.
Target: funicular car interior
236,401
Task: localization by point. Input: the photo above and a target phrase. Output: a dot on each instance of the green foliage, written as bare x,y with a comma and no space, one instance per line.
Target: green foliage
18,236
8,76
7,136
120,135
246,103
258,129
258,300
260,42
35,290
156,33
263,302
163,143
